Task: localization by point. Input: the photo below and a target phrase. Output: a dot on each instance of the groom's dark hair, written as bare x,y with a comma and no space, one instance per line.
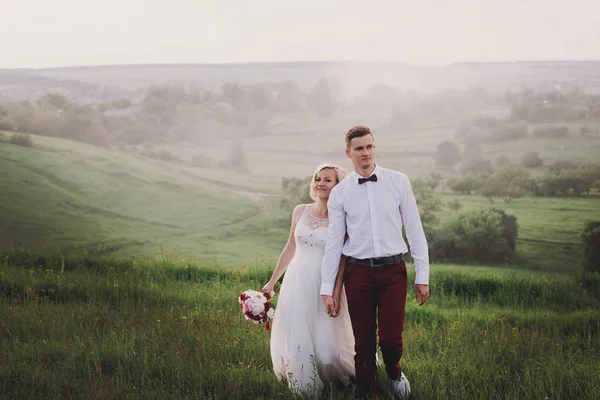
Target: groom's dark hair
357,131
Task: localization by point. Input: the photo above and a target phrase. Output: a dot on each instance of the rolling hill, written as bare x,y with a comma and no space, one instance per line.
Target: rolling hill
63,195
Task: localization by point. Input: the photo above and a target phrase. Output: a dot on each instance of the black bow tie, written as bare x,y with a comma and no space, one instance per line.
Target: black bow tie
372,178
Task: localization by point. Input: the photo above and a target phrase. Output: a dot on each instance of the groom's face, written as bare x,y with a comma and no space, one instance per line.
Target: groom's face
361,151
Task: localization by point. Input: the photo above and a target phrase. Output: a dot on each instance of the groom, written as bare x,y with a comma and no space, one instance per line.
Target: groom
371,205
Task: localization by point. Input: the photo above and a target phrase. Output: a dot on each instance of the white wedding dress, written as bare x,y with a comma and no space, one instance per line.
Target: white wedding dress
308,347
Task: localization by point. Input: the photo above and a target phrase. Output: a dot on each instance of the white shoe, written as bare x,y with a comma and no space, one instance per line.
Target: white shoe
402,387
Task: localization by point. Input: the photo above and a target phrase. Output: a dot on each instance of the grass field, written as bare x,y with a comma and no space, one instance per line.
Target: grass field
162,321
97,328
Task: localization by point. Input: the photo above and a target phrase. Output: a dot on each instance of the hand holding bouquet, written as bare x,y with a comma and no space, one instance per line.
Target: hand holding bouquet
257,307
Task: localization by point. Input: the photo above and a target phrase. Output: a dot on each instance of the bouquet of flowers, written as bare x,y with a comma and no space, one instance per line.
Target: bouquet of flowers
257,307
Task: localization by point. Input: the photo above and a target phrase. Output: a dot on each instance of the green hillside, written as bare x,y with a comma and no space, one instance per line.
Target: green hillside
64,195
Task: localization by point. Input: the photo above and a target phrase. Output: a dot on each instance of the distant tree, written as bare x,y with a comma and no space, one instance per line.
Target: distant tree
467,132
433,180
465,185
454,205
295,191
563,165
509,131
501,161
237,159
232,93
321,98
532,160
399,118
52,102
289,97
155,106
121,104
484,121
7,124
257,98
427,202
447,154
508,182
23,115
471,149
476,164
551,131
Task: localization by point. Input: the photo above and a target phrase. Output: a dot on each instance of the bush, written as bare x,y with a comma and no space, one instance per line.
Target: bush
551,131
21,139
509,131
481,235
591,246
501,161
484,121
295,191
563,165
565,183
236,160
465,185
532,160
476,164
584,130
6,124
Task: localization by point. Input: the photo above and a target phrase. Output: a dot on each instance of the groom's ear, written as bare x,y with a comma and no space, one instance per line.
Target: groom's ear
348,152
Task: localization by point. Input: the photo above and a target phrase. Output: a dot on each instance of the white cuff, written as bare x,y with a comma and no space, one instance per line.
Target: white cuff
422,278
326,289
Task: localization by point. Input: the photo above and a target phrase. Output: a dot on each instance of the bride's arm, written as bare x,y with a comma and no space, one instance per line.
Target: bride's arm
286,254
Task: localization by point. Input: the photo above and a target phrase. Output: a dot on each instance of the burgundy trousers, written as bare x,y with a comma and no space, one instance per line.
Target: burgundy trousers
376,299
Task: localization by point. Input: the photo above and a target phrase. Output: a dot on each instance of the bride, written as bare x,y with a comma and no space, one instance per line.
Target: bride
308,347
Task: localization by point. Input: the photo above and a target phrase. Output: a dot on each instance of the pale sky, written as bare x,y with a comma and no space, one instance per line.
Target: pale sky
44,33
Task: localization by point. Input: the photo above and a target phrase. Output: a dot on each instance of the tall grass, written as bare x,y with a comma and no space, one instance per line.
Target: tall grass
92,327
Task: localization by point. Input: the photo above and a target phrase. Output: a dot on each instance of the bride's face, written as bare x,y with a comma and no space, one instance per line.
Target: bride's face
324,182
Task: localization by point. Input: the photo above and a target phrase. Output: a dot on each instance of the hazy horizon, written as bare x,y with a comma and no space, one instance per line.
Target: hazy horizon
67,33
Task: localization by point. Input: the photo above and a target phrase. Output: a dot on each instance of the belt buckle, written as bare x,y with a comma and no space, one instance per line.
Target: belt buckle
376,264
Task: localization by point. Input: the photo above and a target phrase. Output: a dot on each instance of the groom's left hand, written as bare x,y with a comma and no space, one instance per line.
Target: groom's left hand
421,293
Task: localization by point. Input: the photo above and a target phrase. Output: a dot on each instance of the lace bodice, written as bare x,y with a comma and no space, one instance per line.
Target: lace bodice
311,232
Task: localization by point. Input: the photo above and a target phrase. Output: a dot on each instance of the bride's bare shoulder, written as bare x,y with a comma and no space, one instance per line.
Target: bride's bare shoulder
298,210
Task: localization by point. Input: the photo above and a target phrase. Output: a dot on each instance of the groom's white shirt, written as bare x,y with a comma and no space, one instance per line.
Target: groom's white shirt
373,214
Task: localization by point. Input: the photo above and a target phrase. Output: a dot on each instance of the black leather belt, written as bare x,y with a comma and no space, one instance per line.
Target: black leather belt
376,261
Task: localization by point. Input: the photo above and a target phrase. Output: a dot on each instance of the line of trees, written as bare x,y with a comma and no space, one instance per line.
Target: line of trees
514,181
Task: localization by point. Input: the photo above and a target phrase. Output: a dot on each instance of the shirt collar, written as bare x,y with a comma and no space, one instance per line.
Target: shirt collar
356,175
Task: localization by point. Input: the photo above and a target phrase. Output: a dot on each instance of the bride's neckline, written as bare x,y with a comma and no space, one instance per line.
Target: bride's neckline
311,213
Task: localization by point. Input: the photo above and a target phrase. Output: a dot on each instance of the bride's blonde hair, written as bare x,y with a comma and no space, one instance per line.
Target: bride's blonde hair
339,175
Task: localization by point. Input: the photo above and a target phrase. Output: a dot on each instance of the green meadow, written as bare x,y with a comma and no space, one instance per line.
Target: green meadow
95,328
119,277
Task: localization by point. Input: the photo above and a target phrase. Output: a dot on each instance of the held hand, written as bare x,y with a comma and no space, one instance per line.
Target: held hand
421,293
337,295
330,306
268,290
